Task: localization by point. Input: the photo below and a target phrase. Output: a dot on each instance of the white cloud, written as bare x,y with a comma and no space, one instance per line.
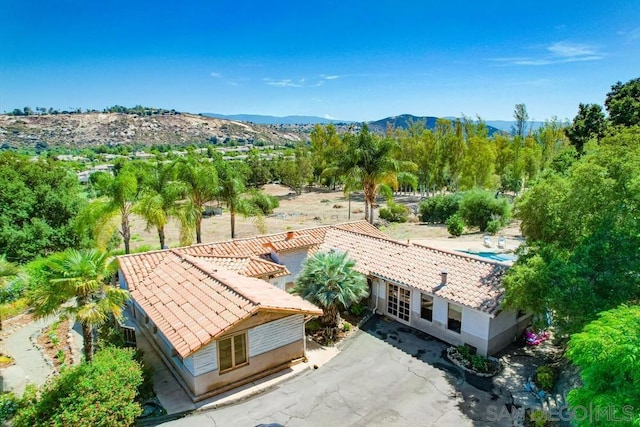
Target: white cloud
214,74
333,77
329,117
572,51
557,53
284,83
303,82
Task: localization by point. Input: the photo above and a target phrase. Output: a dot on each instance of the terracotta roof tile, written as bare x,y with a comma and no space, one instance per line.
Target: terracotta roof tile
213,299
202,290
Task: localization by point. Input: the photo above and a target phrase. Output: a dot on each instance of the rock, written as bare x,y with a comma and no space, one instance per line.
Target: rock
13,379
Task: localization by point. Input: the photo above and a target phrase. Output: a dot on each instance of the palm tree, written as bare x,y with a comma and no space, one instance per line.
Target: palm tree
232,191
118,197
8,271
77,287
369,161
201,181
161,199
328,279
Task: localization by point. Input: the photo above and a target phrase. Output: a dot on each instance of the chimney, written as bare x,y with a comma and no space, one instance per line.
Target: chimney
289,235
443,274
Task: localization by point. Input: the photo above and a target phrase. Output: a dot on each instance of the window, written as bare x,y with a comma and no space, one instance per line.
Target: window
399,302
454,321
232,352
426,307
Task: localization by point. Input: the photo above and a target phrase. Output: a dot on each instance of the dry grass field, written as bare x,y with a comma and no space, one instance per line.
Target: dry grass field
321,207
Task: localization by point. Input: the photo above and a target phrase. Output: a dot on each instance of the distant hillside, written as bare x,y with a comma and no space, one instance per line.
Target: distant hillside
507,125
405,120
91,129
274,120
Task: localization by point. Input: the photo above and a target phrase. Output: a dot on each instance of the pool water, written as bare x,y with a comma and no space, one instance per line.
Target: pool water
493,256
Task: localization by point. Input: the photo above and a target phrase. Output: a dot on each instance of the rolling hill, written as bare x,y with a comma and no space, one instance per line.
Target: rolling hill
94,129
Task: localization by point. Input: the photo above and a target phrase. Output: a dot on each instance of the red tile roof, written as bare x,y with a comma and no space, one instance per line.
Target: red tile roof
192,301
470,281
193,294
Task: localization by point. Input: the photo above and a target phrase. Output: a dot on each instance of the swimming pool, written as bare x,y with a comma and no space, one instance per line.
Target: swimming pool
493,256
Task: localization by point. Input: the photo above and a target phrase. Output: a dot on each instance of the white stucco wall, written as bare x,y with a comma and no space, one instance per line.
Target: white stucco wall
475,323
293,260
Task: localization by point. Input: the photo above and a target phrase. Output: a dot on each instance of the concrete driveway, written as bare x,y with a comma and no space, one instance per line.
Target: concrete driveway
386,375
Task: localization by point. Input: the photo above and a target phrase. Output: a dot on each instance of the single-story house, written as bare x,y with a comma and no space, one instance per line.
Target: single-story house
194,301
214,322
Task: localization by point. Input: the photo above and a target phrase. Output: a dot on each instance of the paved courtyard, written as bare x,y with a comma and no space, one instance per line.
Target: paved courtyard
386,375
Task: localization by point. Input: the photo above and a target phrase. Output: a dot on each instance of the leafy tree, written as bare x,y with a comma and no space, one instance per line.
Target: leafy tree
326,148
439,208
39,202
588,124
329,280
581,235
259,174
607,352
478,208
8,272
394,212
623,103
201,181
299,171
521,117
81,277
100,393
455,225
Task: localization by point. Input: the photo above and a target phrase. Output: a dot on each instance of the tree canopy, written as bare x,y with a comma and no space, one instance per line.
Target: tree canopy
581,254
39,202
623,103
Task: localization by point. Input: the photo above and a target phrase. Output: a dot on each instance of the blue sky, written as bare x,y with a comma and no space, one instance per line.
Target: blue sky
352,60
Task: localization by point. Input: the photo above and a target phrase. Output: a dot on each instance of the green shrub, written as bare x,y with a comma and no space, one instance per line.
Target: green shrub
455,225
478,207
264,202
346,326
493,226
9,405
438,209
545,378
98,393
394,212
313,326
358,309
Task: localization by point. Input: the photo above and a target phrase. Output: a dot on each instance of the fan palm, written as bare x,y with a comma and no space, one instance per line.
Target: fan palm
77,287
328,279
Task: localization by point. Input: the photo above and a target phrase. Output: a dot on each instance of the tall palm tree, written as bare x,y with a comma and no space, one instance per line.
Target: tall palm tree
78,287
118,197
328,279
369,161
8,271
232,191
201,181
160,201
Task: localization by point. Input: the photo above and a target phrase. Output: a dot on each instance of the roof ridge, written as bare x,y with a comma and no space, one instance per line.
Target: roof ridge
385,239
213,273
260,236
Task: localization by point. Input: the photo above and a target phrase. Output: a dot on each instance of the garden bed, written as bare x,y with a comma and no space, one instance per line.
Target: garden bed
54,343
478,365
